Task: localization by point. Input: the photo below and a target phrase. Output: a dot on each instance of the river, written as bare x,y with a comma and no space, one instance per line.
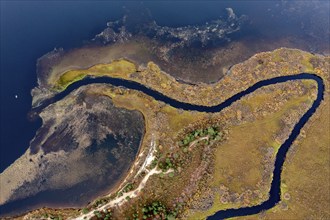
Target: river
275,190
30,29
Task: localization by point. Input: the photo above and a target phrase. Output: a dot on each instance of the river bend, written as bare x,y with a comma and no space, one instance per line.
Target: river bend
275,189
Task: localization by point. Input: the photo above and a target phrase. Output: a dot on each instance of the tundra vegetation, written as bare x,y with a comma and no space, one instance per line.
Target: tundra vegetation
154,210
178,159
115,68
210,162
104,215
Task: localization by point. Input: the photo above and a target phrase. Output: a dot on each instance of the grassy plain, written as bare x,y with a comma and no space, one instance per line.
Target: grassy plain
290,62
306,174
242,164
241,161
116,68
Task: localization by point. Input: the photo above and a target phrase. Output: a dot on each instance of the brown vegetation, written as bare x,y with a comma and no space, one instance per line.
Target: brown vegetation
209,174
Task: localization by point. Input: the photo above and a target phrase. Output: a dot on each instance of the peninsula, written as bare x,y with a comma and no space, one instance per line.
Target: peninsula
124,137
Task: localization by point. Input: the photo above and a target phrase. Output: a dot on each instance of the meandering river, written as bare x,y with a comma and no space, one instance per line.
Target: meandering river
275,190
272,24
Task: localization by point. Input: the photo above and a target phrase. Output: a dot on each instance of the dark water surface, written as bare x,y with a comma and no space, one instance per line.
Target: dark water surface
30,29
81,193
275,190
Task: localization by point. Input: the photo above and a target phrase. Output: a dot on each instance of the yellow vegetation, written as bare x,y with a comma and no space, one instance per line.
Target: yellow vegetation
201,94
239,160
117,68
306,174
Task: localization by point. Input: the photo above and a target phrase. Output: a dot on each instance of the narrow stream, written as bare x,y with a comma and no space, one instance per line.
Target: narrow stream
275,190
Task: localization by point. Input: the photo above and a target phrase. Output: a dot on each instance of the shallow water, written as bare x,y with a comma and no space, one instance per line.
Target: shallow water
80,194
30,29
275,190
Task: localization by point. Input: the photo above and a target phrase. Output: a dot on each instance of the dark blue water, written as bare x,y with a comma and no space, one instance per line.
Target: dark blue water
83,192
177,104
29,29
275,190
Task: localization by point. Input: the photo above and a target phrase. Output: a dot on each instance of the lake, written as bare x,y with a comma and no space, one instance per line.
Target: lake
30,29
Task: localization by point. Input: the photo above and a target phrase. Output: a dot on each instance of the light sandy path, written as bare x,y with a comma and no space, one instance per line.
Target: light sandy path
122,199
195,141
150,157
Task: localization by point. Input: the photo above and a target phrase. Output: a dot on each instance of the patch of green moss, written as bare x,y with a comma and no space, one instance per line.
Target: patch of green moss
117,68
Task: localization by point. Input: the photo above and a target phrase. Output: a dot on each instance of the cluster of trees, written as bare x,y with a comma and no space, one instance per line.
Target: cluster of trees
104,215
153,163
212,132
215,134
166,164
85,210
127,188
100,202
154,210
174,161
157,210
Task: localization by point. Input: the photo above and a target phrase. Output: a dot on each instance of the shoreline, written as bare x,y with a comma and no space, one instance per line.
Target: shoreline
122,198
234,70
